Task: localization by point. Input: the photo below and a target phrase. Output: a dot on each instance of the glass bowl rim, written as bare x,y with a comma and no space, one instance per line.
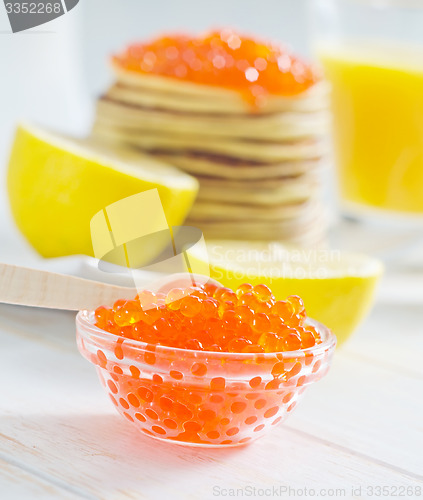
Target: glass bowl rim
84,320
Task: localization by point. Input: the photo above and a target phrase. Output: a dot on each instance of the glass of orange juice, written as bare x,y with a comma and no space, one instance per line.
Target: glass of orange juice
372,54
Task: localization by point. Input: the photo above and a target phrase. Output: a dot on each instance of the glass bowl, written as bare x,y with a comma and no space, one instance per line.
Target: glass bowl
201,398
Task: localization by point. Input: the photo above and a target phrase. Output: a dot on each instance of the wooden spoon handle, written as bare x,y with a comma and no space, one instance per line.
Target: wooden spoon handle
36,288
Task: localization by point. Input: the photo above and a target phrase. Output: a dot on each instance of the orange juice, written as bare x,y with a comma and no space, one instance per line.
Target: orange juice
377,101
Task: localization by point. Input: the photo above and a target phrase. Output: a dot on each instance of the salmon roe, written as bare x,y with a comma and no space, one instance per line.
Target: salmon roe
224,58
204,392
207,318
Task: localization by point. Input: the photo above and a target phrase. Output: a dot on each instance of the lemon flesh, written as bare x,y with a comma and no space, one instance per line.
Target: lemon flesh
338,288
57,184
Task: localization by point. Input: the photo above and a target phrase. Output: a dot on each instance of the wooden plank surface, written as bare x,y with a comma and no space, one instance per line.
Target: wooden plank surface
359,427
16,482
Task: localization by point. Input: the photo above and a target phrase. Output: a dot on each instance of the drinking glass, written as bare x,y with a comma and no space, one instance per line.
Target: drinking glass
371,52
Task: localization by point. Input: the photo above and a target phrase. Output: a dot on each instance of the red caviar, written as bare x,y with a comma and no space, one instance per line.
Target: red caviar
222,58
206,393
213,319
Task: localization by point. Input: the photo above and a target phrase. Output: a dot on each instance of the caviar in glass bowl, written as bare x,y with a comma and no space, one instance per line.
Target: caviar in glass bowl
198,369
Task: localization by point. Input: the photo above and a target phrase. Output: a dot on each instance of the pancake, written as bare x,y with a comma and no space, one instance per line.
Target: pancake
257,155
316,239
256,126
204,211
173,93
201,164
306,233
262,193
258,150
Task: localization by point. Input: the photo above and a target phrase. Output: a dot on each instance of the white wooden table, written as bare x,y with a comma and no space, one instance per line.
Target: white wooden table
357,434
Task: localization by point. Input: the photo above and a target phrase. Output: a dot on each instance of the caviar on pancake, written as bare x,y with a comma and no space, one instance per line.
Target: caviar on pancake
224,58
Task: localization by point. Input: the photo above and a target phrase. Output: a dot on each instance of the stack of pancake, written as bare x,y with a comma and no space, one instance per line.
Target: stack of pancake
258,168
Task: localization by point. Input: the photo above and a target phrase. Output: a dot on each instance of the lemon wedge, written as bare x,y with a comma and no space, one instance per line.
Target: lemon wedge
57,184
338,288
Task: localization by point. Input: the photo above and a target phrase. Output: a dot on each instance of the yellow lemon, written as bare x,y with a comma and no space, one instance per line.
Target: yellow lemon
337,287
57,184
